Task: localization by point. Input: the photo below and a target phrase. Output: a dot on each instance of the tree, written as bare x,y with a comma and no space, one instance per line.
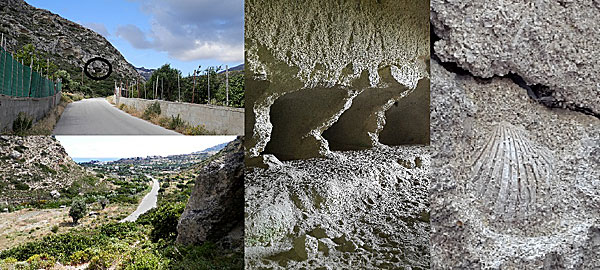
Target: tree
78,210
103,201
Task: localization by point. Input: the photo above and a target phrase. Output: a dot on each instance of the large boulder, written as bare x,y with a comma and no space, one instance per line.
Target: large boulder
214,211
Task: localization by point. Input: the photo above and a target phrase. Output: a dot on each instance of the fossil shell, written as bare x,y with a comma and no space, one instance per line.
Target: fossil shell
511,174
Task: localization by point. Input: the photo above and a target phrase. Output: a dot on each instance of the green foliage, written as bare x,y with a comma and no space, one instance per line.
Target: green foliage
54,229
236,91
144,260
41,261
102,261
61,246
103,201
176,122
21,186
119,230
22,123
78,210
45,168
122,106
164,220
152,110
28,52
205,256
167,83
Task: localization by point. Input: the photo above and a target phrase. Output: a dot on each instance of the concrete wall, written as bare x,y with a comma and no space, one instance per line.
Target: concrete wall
219,119
34,107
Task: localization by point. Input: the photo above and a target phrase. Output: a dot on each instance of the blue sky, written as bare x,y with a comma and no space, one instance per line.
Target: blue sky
136,146
150,33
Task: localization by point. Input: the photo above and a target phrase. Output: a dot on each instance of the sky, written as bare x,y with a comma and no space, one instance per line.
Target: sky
150,33
136,146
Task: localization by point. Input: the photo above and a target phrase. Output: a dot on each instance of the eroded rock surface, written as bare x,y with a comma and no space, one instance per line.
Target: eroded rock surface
214,211
357,210
514,184
547,42
344,63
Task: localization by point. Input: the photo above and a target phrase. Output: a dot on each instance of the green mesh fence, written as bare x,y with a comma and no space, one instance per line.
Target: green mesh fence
18,80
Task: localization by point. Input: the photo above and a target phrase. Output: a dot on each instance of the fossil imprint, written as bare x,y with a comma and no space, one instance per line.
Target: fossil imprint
511,173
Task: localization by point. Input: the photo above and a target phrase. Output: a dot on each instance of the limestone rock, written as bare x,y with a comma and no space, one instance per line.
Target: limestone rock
512,181
214,210
15,155
552,43
324,74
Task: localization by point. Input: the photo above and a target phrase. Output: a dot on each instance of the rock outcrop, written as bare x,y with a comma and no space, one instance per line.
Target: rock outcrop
364,209
67,43
514,183
32,167
548,43
325,75
214,211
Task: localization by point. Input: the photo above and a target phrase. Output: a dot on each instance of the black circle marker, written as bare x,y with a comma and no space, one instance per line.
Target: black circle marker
85,69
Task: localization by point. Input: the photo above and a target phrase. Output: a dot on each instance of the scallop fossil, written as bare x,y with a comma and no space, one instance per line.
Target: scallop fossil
511,174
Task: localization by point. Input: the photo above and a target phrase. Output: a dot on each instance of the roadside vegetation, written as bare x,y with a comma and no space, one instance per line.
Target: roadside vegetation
152,114
148,243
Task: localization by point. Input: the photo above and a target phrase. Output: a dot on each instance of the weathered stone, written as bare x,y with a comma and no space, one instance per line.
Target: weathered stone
552,43
514,184
322,72
55,194
15,154
213,212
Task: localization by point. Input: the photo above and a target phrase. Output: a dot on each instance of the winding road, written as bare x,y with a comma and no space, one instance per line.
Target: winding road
147,203
96,116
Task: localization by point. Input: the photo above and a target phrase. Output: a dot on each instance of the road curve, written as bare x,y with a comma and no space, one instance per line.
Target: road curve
98,117
147,203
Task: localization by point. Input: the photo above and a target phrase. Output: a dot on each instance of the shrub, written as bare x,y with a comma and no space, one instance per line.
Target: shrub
197,130
22,123
102,261
21,186
78,210
176,122
119,230
163,121
152,110
122,106
45,168
144,260
54,229
103,201
164,221
41,261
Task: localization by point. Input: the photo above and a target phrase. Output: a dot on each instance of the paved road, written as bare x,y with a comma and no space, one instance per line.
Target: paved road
98,117
147,203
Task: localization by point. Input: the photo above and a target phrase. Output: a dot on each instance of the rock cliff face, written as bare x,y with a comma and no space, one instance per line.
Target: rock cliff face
68,44
214,211
325,75
32,167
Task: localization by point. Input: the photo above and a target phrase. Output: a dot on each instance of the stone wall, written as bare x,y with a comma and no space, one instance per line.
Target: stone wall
37,108
218,119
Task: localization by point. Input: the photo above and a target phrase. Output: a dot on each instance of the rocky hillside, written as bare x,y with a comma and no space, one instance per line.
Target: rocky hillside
32,167
214,211
145,72
67,43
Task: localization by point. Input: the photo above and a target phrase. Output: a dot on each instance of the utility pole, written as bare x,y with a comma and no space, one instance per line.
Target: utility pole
208,70
156,91
162,89
137,88
194,87
226,85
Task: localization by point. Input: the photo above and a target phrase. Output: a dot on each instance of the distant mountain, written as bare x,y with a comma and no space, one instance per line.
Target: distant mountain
239,67
215,148
146,73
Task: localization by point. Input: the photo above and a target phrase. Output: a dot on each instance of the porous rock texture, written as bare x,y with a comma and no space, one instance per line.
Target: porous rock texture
364,209
214,211
32,167
515,185
547,42
330,66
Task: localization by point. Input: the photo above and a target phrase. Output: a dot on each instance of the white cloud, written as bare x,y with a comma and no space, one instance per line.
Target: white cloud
191,29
